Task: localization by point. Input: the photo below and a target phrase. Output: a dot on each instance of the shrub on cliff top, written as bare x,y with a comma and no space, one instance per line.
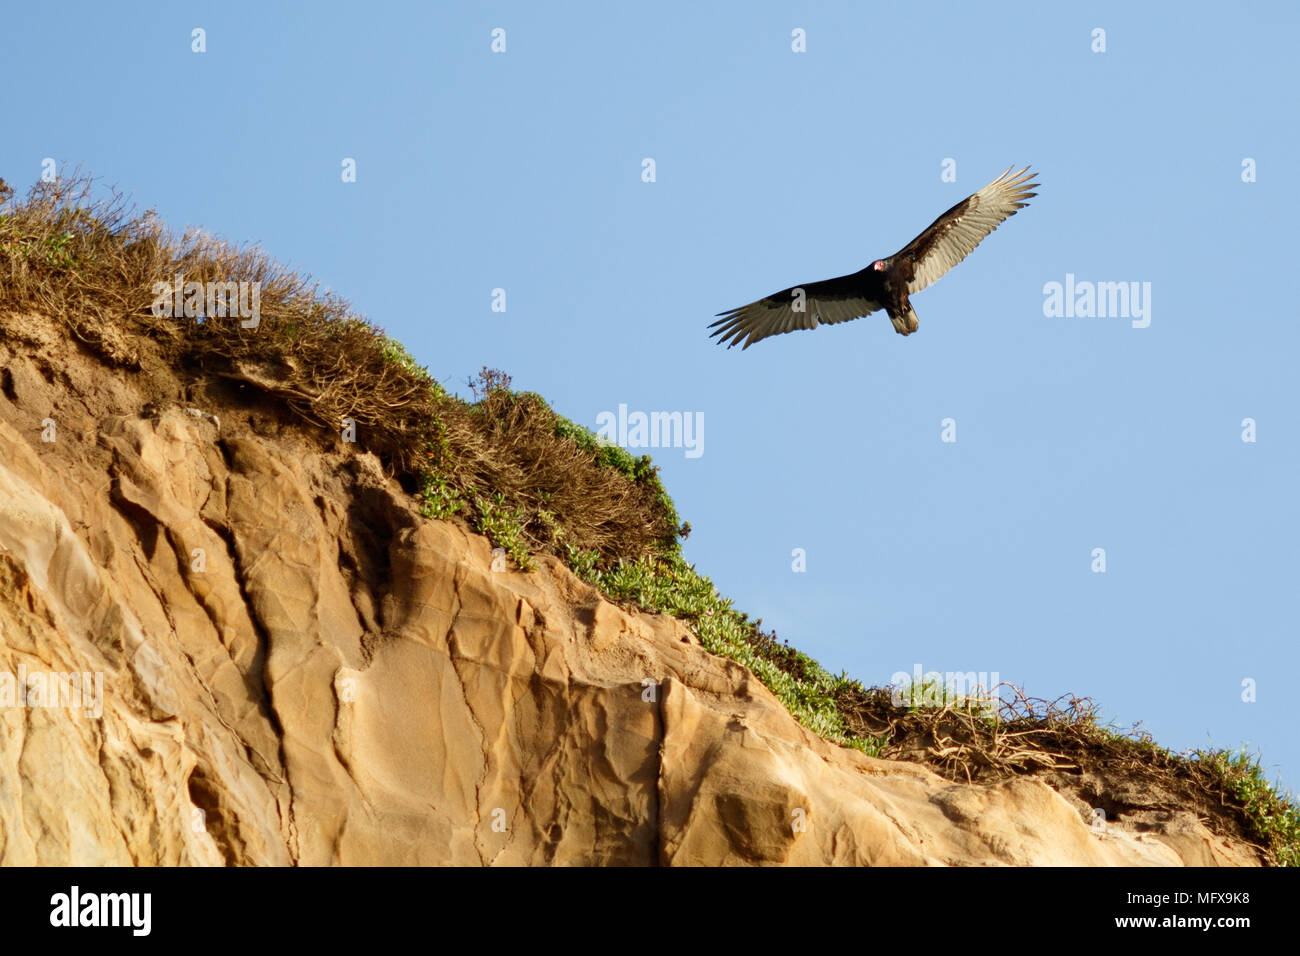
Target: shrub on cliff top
506,463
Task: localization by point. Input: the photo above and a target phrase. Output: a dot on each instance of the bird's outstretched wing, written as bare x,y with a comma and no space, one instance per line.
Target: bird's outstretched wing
824,303
954,235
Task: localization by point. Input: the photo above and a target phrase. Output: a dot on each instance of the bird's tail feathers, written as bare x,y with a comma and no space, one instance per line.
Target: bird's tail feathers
905,323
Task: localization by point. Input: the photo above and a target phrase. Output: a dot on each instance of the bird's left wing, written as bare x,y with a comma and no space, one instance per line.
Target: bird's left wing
955,234
823,303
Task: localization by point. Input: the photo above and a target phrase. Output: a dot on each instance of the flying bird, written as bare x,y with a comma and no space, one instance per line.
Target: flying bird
886,283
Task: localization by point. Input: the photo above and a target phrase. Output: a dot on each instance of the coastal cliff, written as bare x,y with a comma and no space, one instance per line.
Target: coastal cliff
297,666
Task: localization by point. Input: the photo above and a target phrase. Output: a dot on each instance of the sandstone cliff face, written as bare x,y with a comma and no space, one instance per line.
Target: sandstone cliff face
297,668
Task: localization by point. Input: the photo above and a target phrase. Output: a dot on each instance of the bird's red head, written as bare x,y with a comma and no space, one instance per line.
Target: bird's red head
878,265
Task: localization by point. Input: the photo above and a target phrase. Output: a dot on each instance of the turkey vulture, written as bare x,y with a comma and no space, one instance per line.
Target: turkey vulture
886,283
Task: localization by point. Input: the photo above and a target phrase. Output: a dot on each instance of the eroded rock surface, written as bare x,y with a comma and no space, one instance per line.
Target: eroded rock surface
297,668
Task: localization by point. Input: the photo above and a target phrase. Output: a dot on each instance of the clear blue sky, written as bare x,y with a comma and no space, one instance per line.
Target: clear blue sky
523,171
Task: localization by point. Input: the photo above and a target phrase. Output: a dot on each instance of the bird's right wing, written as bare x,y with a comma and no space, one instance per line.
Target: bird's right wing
826,302
954,235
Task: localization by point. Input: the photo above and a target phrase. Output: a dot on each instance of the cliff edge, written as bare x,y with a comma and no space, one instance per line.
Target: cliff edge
298,667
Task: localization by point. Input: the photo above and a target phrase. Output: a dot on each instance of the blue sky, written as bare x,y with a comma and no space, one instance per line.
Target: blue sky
522,171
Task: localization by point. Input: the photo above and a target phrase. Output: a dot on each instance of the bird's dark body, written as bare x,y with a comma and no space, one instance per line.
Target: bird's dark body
886,283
